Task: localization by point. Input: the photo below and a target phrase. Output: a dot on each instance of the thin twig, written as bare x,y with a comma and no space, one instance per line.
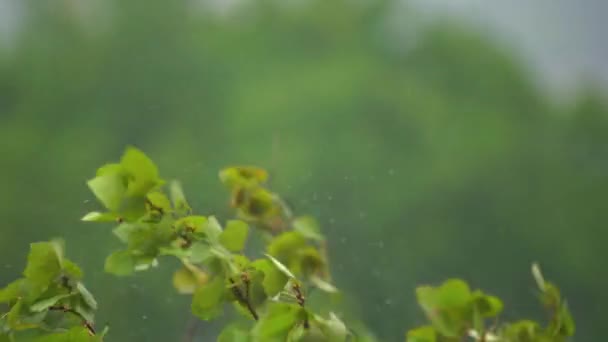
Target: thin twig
243,299
301,301
191,329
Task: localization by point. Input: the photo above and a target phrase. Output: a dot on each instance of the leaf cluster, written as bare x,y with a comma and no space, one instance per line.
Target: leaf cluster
455,312
269,291
50,303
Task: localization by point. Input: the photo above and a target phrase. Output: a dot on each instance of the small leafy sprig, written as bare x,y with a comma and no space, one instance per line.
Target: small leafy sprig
50,303
269,291
456,312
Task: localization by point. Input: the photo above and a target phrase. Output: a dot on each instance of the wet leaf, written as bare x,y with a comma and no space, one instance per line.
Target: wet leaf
207,302
142,171
110,189
277,322
95,216
233,333
87,296
120,263
423,334
447,306
43,264
13,290
44,304
281,267
274,280
308,227
234,235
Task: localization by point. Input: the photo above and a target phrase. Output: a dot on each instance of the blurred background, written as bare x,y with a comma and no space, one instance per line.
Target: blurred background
432,139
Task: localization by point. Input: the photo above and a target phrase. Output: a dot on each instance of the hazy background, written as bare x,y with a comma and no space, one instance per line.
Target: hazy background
432,140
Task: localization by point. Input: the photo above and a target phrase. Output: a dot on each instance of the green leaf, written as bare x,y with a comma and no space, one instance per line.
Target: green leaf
85,311
243,176
146,241
159,201
423,334
95,216
274,279
308,227
75,334
200,252
110,189
234,235
120,263
447,307
322,284
521,331
178,198
143,172
298,334
13,290
44,304
233,333
260,205
213,229
43,264
487,306
12,317
124,230
71,269
333,328
192,223
112,168
87,297
187,279
207,302
281,267
562,323
286,245
307,261
277,322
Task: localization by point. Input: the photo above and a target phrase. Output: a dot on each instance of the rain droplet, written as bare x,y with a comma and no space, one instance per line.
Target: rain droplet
144,317
391,172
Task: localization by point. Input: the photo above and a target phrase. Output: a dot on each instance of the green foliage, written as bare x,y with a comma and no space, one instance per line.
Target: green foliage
270,291
455,311
50,303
